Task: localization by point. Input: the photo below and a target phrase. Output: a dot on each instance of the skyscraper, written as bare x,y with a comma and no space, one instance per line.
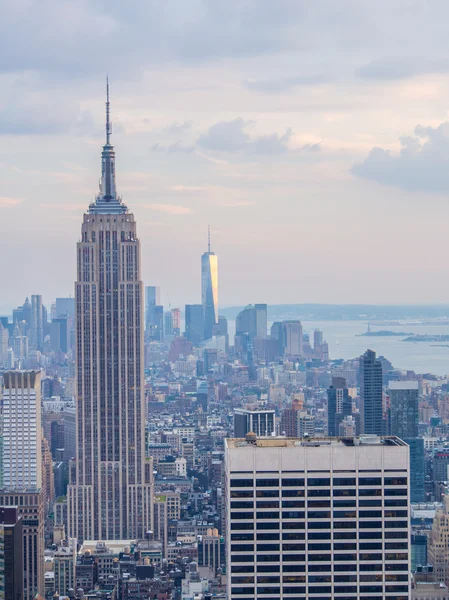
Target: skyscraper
209,290
37,323
404,420
293,338
110,494
11,551
261,320
21,462
404,414
371,415
339,405
152,299
322,519
194,323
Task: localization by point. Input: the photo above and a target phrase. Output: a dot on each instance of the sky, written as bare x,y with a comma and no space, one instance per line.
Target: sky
313,137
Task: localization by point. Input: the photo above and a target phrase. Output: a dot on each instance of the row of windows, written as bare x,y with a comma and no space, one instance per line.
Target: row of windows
323,589
249,574
322,514
322,493
320,482
322,503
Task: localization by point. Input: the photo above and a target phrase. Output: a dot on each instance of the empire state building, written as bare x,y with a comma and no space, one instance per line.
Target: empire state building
110,491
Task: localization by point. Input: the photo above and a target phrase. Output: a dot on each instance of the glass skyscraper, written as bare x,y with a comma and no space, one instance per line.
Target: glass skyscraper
209,289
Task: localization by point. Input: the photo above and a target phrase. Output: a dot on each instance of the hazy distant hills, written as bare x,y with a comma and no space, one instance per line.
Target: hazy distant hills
337,312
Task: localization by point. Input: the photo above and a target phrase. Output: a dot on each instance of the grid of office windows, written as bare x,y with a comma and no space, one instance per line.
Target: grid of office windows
319,535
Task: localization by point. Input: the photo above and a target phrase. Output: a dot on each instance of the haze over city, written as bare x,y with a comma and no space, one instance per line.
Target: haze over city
312,137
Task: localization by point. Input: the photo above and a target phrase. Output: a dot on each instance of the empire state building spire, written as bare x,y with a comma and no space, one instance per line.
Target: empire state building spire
107,201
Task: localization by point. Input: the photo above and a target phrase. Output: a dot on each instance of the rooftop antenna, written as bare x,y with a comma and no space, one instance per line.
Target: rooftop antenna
208,239
108,122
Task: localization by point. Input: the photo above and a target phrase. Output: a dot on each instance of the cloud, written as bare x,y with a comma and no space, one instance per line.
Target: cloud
172,209
172,148
420,165
6,202
230,136
178,128
401,67
286,84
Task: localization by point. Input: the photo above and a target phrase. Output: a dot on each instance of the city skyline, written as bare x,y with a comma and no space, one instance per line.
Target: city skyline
269,141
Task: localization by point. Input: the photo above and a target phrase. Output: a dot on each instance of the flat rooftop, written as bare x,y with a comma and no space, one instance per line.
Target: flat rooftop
283,442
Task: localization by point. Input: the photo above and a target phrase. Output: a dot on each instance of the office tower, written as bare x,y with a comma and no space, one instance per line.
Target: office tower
64,563
438,549
404,420
258,421
404,414
261,320
59,335
371,413
176,320
293,338
37,323
110,492
418,545
22,469
11,552
22,430
290,419
65,307
153,308
23,314
168,323
322,519
277,334
317,340
211,550
209,290
440,465
339,405
194,323
4,339
246,321
152,298
155,327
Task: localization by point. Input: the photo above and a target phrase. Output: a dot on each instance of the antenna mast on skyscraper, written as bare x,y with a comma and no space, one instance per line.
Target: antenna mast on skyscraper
208,239
108,122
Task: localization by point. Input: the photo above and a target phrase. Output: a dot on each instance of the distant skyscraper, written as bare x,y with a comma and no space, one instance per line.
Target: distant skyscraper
404,413
261,320
339,405
209,288
152,298
371,414
293,338
65,307
155,327
37,323
168,323
110,494
194,323
404,421
246,321
176,321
